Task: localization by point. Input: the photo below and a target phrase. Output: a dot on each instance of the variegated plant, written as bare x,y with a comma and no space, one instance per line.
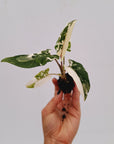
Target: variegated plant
63,44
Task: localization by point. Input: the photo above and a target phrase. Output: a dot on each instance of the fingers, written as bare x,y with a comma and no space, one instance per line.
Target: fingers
57,102
67,97
76,97
67,100
52,105
54,80
60,106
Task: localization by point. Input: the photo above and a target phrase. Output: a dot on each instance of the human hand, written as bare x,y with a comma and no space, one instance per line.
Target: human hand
61,117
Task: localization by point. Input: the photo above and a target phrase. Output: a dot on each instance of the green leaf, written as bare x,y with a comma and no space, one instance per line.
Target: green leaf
33,60
63,43
42,74
83,75
39,79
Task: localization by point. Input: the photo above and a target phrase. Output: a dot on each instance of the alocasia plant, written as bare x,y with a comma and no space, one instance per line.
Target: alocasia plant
68,74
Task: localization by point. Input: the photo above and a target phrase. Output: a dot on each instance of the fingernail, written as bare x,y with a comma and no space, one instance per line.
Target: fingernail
58,92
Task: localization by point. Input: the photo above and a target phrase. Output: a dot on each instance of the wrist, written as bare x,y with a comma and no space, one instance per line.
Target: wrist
52,141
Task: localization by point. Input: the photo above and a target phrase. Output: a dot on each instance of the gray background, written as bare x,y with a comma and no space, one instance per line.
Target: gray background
28,26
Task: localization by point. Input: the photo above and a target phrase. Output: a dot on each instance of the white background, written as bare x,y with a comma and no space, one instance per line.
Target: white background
28,26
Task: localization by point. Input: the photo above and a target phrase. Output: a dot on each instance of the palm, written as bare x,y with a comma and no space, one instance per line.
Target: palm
61,117
63,130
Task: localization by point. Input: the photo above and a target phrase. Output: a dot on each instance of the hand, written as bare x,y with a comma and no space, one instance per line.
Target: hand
61,117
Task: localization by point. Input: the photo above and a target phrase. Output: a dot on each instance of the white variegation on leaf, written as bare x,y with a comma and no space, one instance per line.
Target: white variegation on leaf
62,45
83,75
31,84
39,79
42,81
76,78
34,83
32,60
67,39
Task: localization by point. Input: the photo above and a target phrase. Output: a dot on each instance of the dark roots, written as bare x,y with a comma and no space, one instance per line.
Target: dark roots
66,84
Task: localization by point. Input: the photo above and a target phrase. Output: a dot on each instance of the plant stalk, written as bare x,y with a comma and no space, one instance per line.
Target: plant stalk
54,74
59,66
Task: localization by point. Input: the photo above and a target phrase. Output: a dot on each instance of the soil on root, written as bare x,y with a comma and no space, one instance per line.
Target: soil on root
66,84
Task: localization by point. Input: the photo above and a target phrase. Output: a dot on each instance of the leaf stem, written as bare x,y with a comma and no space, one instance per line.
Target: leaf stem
64,60
54,74
59,66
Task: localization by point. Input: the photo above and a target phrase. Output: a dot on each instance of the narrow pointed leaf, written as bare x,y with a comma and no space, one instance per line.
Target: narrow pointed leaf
33,60
83,75
39,79
63,43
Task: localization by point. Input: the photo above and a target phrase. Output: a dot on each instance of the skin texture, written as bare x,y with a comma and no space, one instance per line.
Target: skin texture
56,128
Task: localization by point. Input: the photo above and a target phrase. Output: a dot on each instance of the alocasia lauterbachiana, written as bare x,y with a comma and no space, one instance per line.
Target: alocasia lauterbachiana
74,72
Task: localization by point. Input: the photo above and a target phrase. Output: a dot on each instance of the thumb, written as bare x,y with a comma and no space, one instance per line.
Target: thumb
52,105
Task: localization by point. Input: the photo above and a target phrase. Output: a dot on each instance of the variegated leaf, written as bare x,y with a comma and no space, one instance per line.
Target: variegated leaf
76,78
33,60
63,43
82,74
39,79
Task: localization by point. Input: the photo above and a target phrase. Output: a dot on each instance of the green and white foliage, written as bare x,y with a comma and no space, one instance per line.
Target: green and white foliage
63,43
83,75
39,79
33,60
76,78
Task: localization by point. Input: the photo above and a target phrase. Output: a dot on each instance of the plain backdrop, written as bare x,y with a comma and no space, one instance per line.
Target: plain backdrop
28,26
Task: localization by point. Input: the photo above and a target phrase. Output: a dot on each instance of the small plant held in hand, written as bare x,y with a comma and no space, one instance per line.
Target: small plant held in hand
68,74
